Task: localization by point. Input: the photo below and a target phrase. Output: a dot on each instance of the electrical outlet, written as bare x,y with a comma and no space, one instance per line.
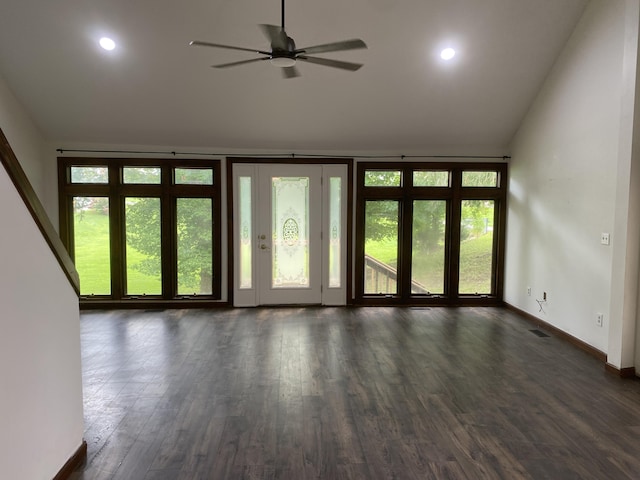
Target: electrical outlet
604,238
529,291
599,319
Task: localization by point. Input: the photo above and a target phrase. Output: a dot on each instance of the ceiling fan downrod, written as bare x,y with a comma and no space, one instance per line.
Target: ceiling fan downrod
283,15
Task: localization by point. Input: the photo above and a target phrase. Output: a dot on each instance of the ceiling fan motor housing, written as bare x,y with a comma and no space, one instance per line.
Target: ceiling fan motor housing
284,58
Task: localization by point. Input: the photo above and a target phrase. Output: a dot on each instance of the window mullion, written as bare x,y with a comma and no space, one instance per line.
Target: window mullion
168,246
405,250
117,233
453,267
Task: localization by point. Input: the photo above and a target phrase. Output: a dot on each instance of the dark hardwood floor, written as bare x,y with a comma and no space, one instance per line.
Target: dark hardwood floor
348,393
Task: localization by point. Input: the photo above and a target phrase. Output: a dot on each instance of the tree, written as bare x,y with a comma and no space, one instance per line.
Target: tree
193,228
194,223
429,217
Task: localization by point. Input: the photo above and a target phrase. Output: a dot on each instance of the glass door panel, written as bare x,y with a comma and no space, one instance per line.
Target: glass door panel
381,247
476,247
245,254
428,246
91,244
335,232
290,232
143,246
194,225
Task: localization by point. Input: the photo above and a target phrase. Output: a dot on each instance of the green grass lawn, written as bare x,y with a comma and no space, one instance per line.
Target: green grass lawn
476,255
428,270
92,259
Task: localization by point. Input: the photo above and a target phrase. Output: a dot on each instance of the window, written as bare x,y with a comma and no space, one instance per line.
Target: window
382,178
381,238
91,241
430,178
142,229
430,233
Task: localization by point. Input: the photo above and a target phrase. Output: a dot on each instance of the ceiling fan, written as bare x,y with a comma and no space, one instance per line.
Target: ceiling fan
284,53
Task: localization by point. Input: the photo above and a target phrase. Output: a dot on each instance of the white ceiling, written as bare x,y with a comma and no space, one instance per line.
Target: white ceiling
155,89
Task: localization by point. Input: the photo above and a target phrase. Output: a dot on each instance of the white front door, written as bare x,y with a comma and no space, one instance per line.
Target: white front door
288,219
281,254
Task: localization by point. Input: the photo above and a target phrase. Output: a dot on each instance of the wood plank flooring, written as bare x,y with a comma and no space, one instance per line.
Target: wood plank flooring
348,393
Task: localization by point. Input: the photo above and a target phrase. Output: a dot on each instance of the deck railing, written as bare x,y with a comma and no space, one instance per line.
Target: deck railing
381,277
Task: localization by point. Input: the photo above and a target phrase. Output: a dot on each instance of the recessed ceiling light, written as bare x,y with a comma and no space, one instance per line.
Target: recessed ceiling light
107,43
447,53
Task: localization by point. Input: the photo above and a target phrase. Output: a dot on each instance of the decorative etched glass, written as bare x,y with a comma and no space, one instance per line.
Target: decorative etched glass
246,234
290,232
335,235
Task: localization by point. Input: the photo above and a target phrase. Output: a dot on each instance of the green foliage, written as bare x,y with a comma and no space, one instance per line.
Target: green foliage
430,178
479,179
141,175
144,234
193,227
381,219
429,218
89,174
382,178
382,216
477,218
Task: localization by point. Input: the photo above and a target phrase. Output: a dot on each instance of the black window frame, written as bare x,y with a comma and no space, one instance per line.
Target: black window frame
168,191
454,195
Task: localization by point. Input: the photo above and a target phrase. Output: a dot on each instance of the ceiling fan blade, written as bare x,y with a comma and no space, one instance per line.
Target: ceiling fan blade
353,44
198,43
327,62
290,72
276,36
241,62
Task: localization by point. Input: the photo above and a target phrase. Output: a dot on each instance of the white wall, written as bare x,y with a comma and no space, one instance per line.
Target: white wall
40,373
563,181
626,258
24,137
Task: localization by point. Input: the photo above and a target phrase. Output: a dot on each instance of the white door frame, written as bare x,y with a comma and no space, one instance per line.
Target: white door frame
246,235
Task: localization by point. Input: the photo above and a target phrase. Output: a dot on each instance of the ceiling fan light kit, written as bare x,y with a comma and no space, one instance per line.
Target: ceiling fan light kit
284,53
283,62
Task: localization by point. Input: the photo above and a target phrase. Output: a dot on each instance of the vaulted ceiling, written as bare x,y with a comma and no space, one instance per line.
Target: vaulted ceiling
155,89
